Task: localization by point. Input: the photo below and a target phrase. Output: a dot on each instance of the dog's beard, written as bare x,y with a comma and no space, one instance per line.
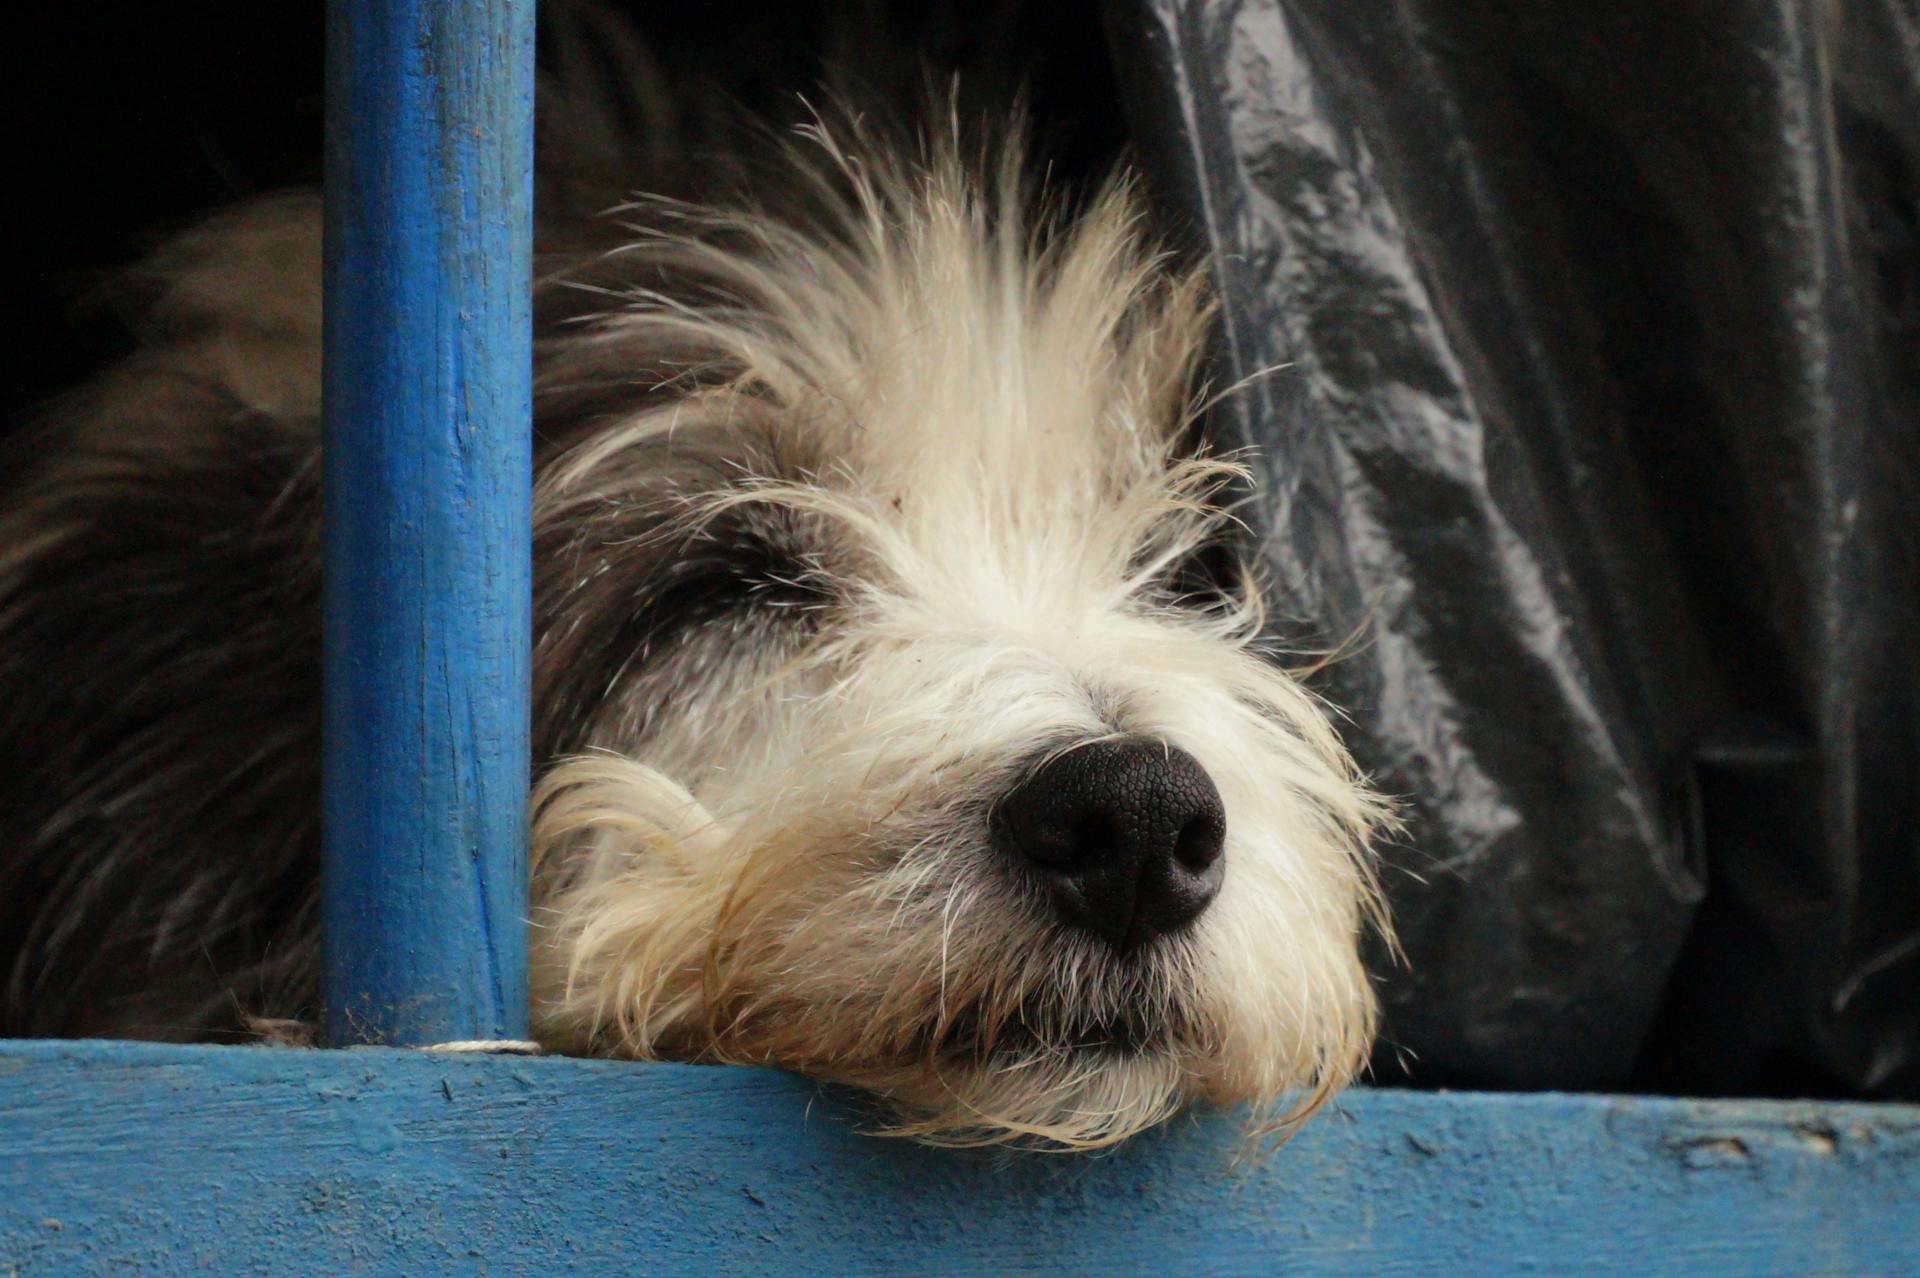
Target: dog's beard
846,915
916,972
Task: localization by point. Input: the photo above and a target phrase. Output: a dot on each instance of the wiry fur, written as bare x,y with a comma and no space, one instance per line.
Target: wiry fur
846,516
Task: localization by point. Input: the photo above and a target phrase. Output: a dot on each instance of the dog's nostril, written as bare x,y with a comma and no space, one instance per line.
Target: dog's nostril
1201,841
1127,837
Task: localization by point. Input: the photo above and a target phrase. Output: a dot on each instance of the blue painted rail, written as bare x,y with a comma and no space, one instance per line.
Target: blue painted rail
427,477
152,1159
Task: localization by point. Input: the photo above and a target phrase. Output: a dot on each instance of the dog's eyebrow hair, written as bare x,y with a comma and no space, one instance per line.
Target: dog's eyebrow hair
730,567
627,604
757,569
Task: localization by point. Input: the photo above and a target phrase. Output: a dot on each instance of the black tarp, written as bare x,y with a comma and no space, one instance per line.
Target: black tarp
1585,346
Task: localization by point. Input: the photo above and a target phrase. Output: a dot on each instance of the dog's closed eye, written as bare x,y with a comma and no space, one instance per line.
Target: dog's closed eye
735,568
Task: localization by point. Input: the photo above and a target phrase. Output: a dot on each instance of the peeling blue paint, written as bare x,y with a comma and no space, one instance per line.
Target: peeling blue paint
249,1160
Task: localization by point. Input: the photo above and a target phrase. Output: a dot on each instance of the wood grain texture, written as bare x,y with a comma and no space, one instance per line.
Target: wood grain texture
428,465
141,1158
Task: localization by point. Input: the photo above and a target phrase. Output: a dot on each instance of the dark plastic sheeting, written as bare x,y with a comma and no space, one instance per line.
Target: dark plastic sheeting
1600,326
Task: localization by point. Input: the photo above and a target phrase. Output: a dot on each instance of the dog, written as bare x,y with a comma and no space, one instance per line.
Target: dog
885,731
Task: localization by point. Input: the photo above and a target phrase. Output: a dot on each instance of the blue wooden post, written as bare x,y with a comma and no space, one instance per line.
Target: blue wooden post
427,478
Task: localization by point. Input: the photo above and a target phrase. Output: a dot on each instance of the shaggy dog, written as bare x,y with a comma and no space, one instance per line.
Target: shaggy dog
883,730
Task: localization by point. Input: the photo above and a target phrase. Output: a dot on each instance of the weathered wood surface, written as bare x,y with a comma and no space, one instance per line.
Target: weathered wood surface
428,475
138,1158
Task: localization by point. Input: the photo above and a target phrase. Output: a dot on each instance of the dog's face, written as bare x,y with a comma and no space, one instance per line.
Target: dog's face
900,756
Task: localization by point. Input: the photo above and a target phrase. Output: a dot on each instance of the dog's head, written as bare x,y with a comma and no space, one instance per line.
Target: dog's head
903,752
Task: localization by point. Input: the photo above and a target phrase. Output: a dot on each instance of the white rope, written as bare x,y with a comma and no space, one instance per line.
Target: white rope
498,1046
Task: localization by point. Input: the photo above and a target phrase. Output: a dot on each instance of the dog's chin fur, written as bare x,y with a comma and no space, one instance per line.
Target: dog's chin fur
846,515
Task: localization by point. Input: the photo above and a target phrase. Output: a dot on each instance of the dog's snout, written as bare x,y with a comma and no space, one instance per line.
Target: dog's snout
1127,836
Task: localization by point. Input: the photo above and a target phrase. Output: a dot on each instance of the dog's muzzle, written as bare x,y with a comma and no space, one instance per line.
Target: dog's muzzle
1127,837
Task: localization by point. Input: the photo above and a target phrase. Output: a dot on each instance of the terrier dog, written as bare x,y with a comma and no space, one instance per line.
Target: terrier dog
883,734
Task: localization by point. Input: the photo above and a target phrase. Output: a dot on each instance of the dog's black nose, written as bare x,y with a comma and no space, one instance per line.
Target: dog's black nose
1127,836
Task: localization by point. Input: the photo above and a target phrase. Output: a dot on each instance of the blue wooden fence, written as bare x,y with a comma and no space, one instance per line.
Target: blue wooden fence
428,466
143,1158
127,1158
